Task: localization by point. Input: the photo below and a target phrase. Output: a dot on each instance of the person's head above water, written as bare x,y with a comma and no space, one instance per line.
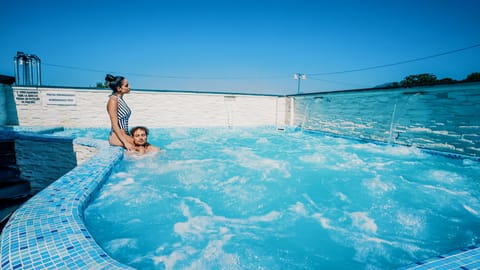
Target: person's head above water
117,83
139,135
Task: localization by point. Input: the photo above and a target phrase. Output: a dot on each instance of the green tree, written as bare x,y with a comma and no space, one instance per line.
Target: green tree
474,77
101,85
446,80
419,79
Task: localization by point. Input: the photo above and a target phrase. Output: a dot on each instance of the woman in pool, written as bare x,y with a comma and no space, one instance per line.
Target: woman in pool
140,140
119,112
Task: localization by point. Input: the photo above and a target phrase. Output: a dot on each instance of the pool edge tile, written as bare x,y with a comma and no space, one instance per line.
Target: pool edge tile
56,236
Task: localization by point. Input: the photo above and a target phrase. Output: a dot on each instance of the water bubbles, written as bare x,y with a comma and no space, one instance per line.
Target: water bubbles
253,198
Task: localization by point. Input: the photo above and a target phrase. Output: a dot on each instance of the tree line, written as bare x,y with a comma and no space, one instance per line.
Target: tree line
425,79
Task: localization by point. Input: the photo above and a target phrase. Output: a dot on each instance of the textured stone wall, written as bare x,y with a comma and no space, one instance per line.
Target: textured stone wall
42,160
444,118
87,108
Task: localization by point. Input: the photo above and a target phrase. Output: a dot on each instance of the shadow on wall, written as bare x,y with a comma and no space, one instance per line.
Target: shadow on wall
8,109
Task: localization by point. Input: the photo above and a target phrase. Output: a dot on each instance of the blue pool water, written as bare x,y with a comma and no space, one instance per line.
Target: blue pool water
268,199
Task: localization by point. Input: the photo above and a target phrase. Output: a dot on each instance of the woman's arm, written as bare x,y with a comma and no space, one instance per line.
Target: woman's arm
112,108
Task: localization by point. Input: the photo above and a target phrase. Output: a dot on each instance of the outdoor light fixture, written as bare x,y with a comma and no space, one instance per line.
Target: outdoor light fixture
299,77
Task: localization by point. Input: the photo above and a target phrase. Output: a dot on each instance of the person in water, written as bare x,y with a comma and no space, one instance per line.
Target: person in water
119,112
140,140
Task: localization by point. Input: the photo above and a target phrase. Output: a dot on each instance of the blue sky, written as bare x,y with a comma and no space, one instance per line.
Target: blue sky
242,46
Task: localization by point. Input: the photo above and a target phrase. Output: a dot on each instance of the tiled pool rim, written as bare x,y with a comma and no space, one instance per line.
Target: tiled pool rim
48,231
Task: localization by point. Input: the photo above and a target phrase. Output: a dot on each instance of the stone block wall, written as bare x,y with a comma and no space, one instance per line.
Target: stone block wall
163,109
444,117
68,107
42,160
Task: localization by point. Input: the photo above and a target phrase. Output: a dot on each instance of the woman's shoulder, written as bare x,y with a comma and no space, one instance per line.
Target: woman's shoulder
112,102
113,99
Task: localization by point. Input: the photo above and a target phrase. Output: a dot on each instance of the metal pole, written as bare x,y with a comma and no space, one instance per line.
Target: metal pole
39,71
26,64
31,70
298,79
15,68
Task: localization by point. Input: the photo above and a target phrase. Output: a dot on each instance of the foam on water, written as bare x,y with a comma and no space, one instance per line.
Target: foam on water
313,158
362,221
412,222
116,245
261,199
471,210
378,187
249,160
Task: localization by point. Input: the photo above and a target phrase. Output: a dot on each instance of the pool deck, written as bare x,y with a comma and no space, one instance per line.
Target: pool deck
48,231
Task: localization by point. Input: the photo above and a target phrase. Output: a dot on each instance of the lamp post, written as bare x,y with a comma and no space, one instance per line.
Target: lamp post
298,77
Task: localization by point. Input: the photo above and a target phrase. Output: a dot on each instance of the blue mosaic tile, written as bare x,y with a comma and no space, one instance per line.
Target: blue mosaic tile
47,232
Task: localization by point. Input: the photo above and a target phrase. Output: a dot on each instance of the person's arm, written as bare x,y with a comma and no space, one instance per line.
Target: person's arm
152,148
112,108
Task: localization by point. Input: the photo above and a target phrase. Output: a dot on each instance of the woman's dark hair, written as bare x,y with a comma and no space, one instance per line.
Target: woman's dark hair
114,81
139,127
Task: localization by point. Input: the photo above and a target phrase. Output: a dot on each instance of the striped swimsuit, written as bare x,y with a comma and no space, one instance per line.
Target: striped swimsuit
123,114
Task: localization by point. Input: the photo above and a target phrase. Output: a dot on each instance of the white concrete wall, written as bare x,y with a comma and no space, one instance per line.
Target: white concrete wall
87,108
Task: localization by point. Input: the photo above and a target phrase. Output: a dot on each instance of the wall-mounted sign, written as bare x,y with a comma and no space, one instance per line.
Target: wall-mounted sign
26,96
59,98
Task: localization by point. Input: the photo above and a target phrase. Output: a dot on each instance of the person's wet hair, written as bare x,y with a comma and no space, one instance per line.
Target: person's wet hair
139,127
